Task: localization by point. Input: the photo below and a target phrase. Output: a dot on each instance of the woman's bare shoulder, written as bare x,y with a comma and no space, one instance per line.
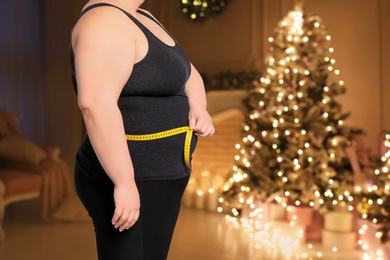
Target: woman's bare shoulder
103,21
108,15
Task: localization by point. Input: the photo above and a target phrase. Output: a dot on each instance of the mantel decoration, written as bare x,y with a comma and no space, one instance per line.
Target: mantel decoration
197,10
231,80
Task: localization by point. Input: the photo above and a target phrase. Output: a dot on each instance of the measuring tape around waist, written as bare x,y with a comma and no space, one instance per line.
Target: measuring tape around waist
168,133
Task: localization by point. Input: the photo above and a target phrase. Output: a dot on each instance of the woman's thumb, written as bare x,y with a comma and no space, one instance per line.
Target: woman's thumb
192,122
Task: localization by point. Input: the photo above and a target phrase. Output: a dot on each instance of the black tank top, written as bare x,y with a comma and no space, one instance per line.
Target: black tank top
152,100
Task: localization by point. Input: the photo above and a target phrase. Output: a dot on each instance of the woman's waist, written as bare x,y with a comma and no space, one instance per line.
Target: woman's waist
154,115
148,127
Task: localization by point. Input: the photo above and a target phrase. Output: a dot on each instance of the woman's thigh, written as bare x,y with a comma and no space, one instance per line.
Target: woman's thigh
150,237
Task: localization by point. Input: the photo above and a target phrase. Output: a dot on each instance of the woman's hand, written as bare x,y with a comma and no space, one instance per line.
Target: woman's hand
200,122
127,205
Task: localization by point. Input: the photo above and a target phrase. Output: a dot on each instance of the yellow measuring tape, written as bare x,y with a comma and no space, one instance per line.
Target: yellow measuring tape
163,134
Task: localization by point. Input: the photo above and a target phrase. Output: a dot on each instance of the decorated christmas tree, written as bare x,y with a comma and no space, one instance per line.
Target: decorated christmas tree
294,141
374,204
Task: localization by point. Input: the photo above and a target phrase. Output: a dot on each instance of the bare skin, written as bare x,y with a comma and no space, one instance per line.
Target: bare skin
106,45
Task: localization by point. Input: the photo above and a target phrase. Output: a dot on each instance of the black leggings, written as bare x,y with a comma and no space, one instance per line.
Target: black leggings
151,235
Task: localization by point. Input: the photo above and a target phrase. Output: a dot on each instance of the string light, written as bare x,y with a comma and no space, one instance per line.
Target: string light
199,9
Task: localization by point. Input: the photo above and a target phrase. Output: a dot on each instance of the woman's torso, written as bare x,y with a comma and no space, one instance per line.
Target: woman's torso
152,100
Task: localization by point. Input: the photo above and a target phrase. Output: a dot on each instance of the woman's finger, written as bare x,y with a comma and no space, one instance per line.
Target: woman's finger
192,122
122,219
117,215
133,218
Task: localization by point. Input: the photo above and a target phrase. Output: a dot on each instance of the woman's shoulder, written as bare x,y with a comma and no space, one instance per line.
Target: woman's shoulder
104,19
101,24
102,12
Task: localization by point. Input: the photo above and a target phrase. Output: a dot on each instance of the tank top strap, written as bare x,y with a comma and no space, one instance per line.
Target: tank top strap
157,22
149,16
140,25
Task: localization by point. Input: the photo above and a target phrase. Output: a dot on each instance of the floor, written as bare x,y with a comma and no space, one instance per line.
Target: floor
199,235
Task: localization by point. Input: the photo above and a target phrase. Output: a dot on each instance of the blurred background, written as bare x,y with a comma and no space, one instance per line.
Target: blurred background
35,73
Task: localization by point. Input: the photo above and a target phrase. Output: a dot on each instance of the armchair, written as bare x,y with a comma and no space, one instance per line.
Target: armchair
28,171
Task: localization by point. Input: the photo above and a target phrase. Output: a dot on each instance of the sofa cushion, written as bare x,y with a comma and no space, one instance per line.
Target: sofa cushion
9,123
18,182
17,149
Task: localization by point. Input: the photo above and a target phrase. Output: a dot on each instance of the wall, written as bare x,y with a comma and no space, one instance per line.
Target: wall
384,14
21,70
64,122
228,41
237,39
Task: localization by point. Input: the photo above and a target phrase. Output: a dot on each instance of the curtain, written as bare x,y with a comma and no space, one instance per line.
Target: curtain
21,65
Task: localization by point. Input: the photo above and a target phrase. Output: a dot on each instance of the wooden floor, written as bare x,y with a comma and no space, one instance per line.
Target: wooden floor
199,236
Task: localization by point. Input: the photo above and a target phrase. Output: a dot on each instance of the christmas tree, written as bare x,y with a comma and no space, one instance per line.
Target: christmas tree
294,139
374,204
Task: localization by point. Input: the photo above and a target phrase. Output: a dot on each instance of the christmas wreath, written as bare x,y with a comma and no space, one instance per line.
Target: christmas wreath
199,9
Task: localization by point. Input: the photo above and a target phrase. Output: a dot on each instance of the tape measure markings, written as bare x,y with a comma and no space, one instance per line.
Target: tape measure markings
168,133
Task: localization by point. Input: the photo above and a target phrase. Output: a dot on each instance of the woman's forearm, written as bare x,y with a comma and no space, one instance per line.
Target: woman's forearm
199,119
195,90
106,132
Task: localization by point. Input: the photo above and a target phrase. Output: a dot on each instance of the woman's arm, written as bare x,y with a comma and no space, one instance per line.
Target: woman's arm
104,57
199,119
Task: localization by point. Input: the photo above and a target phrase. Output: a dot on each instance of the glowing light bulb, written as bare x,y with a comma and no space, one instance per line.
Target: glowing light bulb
325,115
